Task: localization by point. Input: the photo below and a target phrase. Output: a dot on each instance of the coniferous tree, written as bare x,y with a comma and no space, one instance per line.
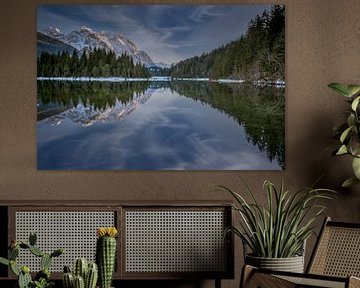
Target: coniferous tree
258,54
95,63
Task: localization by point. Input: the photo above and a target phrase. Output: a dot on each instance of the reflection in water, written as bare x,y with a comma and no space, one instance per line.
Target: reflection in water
56,96
87,114
165,113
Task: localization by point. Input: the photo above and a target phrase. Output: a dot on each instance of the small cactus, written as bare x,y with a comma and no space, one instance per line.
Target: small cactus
24,278
89,272
80,267
106,254
68,280
91,276
79,282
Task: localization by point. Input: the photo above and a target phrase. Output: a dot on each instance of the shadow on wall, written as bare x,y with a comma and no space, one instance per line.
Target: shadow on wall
333,169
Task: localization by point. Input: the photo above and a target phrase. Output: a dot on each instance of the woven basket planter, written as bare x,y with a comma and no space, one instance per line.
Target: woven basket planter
291,264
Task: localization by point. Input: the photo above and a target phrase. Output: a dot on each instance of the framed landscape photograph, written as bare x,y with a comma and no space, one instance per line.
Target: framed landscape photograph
161,87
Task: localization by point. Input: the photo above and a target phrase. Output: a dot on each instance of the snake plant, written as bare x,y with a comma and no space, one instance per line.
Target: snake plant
279,228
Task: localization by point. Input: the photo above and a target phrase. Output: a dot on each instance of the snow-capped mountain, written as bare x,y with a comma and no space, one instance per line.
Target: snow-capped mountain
86,39
162,65
51,45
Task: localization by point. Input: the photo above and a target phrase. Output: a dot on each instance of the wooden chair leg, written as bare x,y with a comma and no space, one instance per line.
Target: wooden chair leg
218,283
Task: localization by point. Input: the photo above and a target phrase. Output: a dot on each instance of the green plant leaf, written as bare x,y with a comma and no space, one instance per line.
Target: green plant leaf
14,268
279,228
353,89
355,103
349,182
342,150
354,144
340,88
4,261
345,134
351,120
356,167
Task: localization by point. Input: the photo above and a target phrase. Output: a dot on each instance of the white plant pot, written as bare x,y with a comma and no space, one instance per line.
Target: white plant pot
291,264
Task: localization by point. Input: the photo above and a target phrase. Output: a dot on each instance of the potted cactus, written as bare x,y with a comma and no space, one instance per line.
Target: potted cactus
84,275
106,254
42,278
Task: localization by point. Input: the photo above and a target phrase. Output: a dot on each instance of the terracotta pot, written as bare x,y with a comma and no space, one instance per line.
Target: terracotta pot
291,264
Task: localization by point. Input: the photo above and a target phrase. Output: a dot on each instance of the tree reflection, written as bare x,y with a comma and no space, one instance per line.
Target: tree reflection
259,110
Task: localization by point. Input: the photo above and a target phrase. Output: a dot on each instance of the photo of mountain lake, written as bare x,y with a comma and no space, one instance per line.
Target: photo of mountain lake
161,87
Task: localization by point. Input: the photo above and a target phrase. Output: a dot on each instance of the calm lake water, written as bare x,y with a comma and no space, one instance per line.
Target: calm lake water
159,126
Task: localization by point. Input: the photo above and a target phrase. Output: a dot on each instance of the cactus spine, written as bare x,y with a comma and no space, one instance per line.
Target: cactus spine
106,254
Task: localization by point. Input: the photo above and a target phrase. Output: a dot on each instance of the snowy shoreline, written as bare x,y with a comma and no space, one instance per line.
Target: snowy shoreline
277,83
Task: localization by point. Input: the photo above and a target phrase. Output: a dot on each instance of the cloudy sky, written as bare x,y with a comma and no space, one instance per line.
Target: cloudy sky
168,33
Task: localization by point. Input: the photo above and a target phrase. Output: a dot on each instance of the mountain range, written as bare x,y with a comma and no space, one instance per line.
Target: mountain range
52,40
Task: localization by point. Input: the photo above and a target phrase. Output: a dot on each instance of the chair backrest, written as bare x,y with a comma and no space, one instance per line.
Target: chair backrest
337,251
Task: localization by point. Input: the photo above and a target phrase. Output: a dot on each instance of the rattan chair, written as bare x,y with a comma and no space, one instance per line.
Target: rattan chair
335,262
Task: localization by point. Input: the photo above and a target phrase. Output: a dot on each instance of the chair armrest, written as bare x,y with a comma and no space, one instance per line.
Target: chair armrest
354,282
246,273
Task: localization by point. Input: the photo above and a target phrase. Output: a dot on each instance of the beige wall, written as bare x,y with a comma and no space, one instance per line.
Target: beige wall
322,46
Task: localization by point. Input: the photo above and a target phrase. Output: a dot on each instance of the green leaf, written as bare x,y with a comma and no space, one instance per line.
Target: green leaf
4,261
354,144
351,120
345,134
342,150
14,268
340,88
349,182
279,228
355,103
356,167
353,89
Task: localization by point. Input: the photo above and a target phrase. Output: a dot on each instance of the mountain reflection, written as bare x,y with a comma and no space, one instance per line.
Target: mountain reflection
259,110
